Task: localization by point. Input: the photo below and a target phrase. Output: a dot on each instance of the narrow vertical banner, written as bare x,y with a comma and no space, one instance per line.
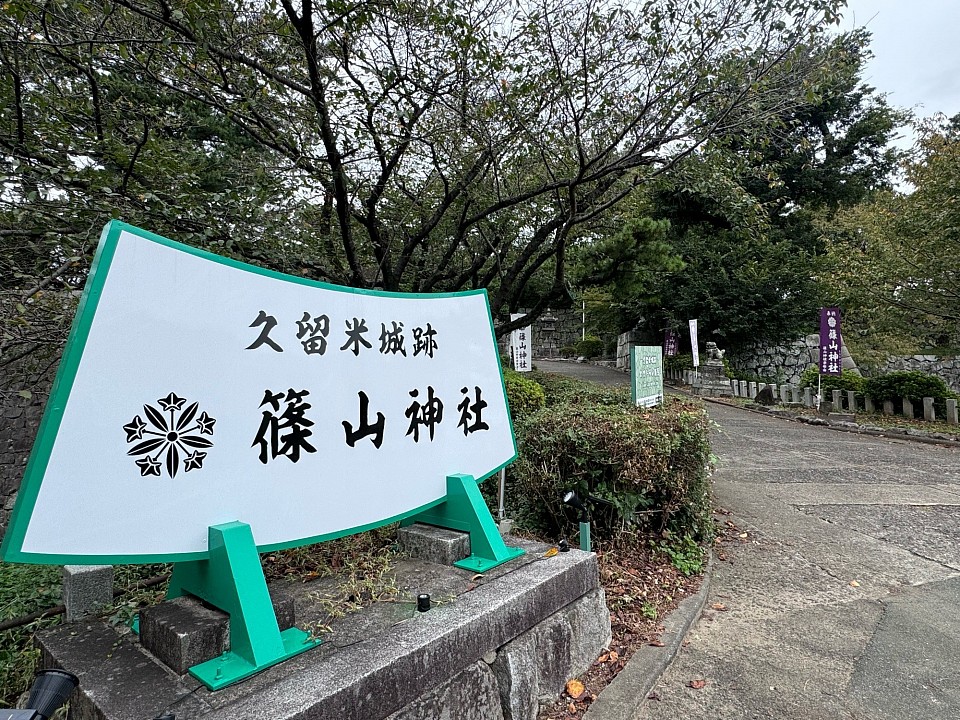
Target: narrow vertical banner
830,341
520,346
694,344
646,373
670,342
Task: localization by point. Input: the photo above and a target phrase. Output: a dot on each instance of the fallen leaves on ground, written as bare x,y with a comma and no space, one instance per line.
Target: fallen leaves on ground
641,587
697,684
575,689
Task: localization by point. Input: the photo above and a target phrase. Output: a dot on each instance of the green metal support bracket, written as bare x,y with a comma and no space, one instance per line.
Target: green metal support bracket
232,580
464,509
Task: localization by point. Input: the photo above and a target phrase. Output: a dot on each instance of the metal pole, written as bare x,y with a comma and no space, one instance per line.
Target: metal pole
501,511
585,536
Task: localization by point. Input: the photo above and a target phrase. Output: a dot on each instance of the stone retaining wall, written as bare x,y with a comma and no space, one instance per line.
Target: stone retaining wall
783,364
946,368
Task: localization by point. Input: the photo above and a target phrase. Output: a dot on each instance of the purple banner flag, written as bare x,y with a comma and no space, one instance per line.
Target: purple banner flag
670,342
830,341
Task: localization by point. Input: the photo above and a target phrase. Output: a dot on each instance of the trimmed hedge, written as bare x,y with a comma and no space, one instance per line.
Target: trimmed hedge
524,395
640,469
911,384
590,346
846,380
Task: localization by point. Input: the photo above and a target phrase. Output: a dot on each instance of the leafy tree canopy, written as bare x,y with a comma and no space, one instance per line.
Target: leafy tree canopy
423,146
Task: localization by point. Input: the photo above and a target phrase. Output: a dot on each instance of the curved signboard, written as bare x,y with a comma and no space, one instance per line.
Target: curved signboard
196,390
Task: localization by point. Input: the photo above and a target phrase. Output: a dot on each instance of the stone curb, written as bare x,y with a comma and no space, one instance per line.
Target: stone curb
622,698
894,433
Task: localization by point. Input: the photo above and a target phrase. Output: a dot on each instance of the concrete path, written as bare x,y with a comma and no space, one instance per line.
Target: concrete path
843,598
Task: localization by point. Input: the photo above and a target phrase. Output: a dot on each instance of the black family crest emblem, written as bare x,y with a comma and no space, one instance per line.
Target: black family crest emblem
170,440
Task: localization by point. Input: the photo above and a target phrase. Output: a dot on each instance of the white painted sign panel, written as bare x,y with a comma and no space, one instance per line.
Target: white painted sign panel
520,352
197,390
694,343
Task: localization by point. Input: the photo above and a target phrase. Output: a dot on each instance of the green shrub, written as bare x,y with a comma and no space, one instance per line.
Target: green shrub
846,380
683,361
562,390
568,351
911,384
639,469
524,395
590,346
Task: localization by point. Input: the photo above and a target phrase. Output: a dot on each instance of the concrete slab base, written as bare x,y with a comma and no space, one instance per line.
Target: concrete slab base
373,664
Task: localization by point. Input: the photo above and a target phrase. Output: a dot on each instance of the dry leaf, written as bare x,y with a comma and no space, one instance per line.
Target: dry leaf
719,606
603,658
657,643
551,552
854,583
575,689
614,656
697,684
572,708
476,577
471,586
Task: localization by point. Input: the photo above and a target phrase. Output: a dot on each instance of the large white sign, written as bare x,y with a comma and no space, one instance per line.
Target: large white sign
520,352
196,390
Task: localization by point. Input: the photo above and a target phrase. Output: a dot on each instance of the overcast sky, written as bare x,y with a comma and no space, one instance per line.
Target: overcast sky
916,47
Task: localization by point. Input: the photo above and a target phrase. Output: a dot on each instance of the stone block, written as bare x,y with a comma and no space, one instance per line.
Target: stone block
868,404
434,544
908,408
888,407
184,632
785,393
808,397
743,388
952,412
469,695
533,669
751,390
86,589
851,401
836,400
929,414
735,387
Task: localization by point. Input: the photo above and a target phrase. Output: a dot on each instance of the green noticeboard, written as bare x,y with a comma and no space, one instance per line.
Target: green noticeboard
646,373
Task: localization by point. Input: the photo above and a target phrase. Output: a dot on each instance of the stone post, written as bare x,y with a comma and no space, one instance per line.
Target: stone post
888,407
808,397
952,412
929,413
795,394
743,388
751,390
851,401
785,393
908,408
735,386
86,589
868,405
837,402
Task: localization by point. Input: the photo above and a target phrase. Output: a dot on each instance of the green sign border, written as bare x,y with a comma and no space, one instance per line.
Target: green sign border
11,549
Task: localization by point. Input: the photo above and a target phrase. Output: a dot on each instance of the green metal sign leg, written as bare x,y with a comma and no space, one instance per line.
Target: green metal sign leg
232,580
464,509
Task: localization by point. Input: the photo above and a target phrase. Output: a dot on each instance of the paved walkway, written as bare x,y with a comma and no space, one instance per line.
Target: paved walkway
843,599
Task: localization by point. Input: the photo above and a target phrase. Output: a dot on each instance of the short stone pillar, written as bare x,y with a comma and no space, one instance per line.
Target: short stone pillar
851,401
735,386
86,589
795,394
888,407
785,393
868,405
752,390
929,414
743,388
952,412
808,397
837,402
908,408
